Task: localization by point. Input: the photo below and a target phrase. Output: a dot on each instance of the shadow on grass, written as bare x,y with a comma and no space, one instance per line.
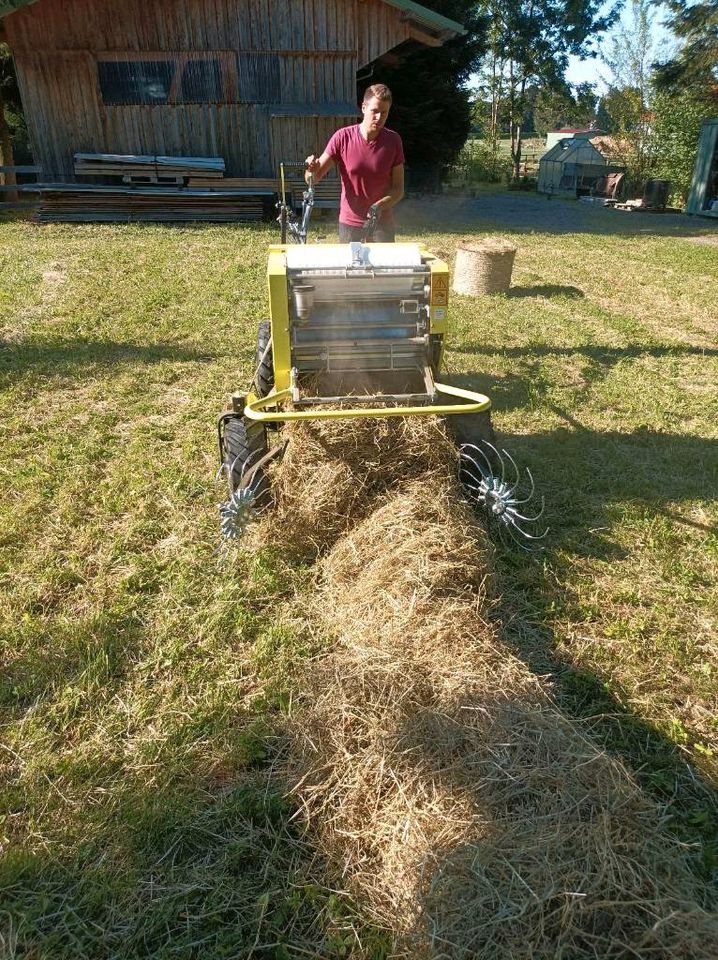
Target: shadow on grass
67,357
181,870
588,478
547,290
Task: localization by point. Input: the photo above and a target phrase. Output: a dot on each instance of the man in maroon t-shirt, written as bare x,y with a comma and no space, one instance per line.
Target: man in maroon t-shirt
370,160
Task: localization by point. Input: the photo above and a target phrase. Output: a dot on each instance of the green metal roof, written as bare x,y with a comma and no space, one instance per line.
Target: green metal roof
423,14
414,10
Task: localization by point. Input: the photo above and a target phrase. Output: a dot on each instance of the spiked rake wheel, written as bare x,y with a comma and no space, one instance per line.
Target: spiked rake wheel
244,456
482,471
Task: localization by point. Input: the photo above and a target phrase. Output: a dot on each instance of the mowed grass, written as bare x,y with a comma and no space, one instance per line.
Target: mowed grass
146,674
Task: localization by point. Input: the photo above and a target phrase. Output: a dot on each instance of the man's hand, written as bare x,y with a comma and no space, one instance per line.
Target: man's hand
311,165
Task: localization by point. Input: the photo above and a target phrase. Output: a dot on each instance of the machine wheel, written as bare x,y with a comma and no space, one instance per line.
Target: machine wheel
472,428
264,379
243,444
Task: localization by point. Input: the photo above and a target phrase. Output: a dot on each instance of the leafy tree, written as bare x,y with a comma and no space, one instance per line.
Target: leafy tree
530,42
696,26
676,128
9,99
565,107
628,56
432,108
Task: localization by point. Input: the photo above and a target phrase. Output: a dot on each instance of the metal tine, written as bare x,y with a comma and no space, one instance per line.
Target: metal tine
512,523
516,471
533,488
500,459
515,513
471,459
257,455
479,491
263,494
465,471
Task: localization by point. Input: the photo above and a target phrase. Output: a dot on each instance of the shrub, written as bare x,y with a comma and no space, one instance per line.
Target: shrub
480,162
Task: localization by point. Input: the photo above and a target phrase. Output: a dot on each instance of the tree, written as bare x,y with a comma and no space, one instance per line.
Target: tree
696,26
676,128
432,108
10,96
628,56
530,42
630,52
565,107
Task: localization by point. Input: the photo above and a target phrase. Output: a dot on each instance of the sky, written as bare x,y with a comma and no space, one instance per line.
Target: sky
595,71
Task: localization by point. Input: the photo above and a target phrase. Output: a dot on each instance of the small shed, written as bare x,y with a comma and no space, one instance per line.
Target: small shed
703,198
573,165
253,82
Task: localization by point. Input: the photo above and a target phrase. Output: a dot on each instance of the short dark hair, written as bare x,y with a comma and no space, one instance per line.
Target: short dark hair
378,90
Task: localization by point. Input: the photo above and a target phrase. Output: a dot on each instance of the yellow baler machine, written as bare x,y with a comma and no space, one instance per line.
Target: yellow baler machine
355,330
359,328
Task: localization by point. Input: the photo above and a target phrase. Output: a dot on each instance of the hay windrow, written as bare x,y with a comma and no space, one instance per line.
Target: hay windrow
333,471
463,809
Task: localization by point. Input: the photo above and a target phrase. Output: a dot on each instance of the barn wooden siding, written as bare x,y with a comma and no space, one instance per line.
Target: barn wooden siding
319,46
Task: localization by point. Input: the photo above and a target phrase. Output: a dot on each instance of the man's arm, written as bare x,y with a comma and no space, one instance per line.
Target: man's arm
396,189
318,167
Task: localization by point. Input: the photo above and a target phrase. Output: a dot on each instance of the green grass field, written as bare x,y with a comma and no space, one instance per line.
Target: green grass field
146,675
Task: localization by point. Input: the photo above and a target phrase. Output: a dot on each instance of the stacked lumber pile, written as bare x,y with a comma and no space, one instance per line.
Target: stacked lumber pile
154,188
91,204
151,169
268,184
326,194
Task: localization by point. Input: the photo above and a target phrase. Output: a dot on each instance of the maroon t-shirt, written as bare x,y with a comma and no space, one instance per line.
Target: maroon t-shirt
365,170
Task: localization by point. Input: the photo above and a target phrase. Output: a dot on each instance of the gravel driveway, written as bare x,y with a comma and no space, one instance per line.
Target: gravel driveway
521,212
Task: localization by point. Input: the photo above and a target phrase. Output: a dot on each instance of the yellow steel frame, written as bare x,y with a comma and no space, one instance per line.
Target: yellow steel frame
255,407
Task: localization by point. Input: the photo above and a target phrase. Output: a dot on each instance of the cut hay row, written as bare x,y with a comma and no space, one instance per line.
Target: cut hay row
437,775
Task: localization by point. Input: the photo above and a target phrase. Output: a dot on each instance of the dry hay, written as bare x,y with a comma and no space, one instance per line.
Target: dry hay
333,471
438,776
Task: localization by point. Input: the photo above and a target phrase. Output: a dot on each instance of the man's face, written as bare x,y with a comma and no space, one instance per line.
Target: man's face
375,112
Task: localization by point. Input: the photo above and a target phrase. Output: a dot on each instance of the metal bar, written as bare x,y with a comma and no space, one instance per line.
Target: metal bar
4,168
411,398
476,403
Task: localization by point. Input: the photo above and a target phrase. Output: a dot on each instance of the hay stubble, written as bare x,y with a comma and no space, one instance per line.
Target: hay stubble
437,775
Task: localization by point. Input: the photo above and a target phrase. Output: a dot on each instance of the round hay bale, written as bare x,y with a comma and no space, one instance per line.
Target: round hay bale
483,266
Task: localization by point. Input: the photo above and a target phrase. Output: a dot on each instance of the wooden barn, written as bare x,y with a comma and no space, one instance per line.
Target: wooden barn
254,82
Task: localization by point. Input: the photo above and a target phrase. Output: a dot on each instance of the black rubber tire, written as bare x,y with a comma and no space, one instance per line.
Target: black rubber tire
264,380
472,428
244,443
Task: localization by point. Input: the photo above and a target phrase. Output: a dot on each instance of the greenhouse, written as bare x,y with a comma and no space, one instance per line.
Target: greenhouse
573,166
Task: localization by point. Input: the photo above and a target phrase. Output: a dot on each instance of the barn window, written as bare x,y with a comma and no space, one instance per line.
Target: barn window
219,76
161,78
201,82
136,81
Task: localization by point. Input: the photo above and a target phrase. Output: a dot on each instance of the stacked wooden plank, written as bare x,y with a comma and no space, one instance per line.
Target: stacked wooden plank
326,194
147,167
239,183
75,203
